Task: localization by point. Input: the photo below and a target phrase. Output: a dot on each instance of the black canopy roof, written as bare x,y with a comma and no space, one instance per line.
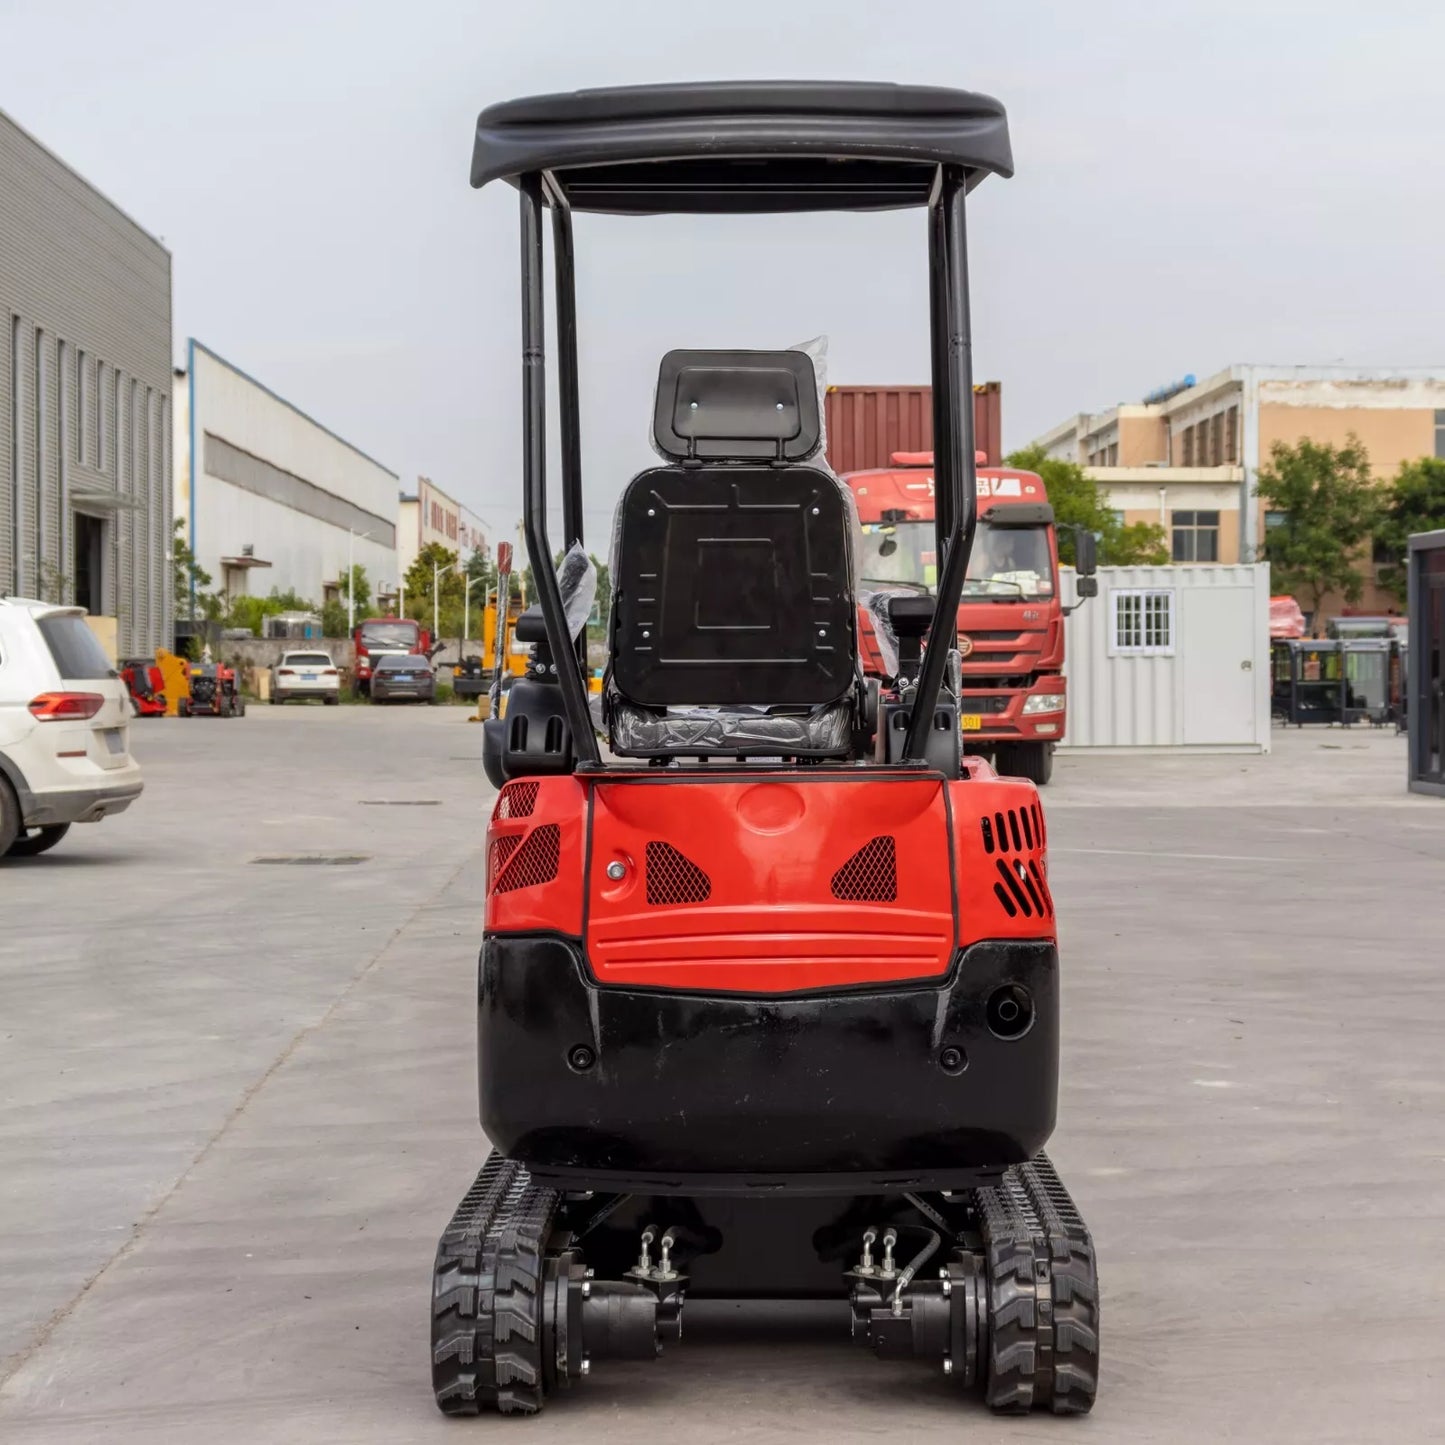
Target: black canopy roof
768,145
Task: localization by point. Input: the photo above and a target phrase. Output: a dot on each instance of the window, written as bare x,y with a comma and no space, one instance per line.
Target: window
1189,446
79,657
1275,519
1216,439
1141,622
1231,436
1196,536
1440,433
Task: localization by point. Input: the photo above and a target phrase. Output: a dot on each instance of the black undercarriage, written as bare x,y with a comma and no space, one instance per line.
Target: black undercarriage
996,1285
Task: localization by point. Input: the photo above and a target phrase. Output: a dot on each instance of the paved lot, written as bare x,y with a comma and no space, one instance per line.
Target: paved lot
236,1107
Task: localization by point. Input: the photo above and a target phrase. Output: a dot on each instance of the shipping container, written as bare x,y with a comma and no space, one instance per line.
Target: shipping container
1170,657
867,424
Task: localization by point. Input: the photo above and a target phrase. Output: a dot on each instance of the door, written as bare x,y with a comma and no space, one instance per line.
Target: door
89,533
1217,644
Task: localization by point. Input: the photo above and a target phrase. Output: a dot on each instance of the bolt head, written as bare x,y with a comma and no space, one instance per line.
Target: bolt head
947,1365
617,871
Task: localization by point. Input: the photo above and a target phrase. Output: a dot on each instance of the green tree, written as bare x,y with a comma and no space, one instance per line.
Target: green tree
1415,502
1329,507
252,612
435,568
333,619
360,591
189,579
1077,502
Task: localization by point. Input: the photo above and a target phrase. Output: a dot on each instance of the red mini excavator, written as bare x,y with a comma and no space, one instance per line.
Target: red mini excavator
769,996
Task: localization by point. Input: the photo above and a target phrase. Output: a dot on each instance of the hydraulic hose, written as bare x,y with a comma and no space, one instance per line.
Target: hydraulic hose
912,1268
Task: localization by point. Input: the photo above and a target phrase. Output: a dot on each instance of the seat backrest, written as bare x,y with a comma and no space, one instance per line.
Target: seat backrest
733,585
732,568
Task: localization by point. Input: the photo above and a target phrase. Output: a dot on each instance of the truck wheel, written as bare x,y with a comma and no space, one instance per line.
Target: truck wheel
33,841
1034,761
9,817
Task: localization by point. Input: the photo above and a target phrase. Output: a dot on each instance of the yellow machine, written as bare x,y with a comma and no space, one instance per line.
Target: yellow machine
177,674
507,656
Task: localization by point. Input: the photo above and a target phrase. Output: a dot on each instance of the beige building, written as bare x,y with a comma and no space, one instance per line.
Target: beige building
1188,457
430,515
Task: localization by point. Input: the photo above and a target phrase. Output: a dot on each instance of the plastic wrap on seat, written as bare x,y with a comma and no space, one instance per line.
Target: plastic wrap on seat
577,582
875,604
759,732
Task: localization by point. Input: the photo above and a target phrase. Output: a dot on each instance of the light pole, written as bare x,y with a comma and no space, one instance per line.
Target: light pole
436,600
351,580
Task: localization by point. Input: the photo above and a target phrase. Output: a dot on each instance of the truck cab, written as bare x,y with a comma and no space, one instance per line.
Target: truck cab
1010,618
378,636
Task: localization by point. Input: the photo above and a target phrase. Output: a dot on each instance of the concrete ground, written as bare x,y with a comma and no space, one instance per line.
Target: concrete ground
237,1106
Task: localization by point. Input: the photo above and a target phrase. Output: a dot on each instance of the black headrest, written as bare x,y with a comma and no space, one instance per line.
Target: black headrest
737,406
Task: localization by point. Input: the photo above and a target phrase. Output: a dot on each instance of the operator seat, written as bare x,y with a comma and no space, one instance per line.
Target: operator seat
733,618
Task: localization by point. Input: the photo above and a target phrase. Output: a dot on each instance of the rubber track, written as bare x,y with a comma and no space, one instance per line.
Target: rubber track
1043,1294
486,1294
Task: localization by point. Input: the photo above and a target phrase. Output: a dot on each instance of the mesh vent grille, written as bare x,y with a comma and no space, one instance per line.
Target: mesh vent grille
870,875
497,855
517,800
534,862
674,878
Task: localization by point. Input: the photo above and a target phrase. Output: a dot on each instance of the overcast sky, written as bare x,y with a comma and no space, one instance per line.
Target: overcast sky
1198,184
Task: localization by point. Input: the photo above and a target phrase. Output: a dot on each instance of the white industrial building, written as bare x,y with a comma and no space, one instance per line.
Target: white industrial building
1171,657
270,498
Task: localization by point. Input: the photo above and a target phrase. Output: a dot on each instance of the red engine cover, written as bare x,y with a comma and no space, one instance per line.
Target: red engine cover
770,883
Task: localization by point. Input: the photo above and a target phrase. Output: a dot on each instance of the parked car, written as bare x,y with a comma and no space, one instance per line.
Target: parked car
304,674
64,728
401,677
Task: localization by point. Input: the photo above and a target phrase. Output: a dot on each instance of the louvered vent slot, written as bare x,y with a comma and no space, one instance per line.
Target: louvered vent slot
534,862
517,800
870,875
1038,876
987,828
1016,890
672,877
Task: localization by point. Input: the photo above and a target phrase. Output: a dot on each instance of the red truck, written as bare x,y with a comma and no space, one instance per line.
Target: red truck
1011,618
379,635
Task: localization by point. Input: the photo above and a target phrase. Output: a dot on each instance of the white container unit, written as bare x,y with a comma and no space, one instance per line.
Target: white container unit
1171,657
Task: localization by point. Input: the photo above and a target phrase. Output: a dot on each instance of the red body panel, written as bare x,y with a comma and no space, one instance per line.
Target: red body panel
770,883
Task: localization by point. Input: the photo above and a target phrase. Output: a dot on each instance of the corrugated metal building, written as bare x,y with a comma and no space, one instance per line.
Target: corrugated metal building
85,397
1171,657
270,498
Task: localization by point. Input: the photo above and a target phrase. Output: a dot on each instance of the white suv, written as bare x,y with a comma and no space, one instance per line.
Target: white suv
64,727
